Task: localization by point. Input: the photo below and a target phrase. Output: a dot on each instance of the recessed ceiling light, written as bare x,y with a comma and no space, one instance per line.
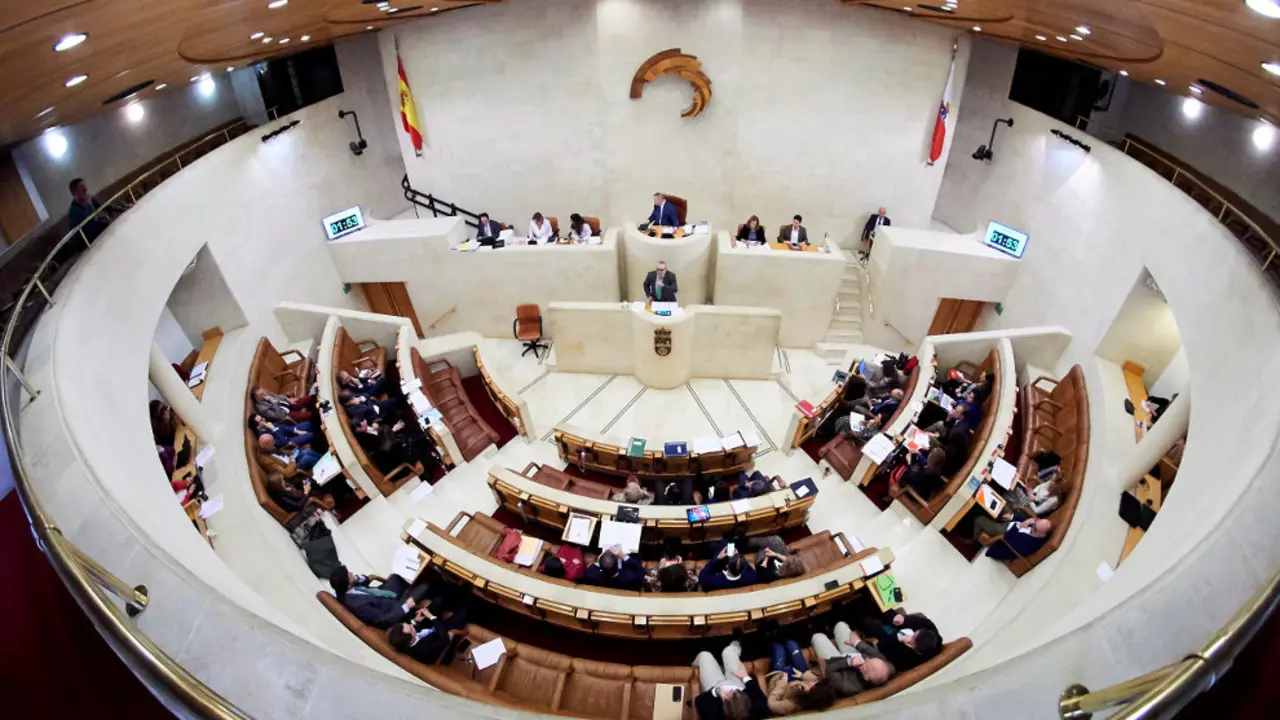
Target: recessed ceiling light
274,4
267,40
1041,37
369,28
69,41
1076,37
162,86
1191,108
55,143
1083,30
76,80
1061,39
393,10
195,79
383,4
906,8
134,112
304,38
44,112
1159,81
256,35
977,28
1196,89
1124,73
434,9
1264,136
1270,8
1273,68
284,40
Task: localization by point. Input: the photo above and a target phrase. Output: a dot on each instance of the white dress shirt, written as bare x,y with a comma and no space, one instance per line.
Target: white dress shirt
795,235
540,233
584,237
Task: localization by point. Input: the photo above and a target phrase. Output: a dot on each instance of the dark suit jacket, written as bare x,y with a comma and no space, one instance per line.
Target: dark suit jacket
380,612
1019,541
712,577
489,230
711,707
760,234
669,286
846,679
630,575
664,215
871,225
784,234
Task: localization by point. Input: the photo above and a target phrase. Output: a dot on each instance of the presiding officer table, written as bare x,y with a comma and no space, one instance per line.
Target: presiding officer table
664,352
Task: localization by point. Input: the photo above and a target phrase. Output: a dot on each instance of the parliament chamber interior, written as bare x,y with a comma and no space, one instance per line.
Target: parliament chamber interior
646,359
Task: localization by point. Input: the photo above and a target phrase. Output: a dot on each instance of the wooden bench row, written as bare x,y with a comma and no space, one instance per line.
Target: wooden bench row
271,372
612,459
353,357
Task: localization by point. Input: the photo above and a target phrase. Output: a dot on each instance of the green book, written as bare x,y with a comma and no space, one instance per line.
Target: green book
885,584
636,448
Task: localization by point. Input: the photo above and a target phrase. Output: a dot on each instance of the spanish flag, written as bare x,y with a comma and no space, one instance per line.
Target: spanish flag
408,111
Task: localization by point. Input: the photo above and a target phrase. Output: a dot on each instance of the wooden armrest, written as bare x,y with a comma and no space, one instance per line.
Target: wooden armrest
360,345
1043,377
626,701
284,372
394,473
1047,426
1047,401
915,497
531,466
293,351
457,519
497,674
555,696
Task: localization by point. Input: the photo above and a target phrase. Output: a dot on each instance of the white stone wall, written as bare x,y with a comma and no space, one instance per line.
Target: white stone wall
818,108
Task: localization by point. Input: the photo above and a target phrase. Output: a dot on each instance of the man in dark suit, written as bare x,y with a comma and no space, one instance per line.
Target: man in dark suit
664,213
874,222
793,234
615,570
382,606
425,638
906,640
660,285
488,230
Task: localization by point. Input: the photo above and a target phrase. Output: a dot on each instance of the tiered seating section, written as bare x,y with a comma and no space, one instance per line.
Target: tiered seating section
750,607
442,384
766,514
1057,419
925,509
841,453
504,403
612,459
273,373
353,357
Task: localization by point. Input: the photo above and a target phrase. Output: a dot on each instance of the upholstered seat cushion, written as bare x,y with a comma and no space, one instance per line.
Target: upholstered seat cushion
842,454
645,681
533,676
481,534
596,689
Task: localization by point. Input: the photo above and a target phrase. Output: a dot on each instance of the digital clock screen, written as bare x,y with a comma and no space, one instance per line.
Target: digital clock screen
343,223
1006,239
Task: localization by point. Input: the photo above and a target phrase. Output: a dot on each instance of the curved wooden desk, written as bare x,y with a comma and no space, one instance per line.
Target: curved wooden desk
763,515
633,614
608,454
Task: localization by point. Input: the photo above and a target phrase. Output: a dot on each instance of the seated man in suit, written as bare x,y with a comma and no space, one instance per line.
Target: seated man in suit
1019,532
288,462
660,285
425,637
488,231
276,407
382,606
793,234
614,570
886,408
725,571
369,386
874,222
363,407
906,640
852,664
728,692
664,213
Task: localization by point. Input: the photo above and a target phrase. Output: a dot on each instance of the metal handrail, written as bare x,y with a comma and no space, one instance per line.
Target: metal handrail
1179,172
86,580
446,208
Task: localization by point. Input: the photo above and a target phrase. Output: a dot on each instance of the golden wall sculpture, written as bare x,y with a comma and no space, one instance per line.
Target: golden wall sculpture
675,62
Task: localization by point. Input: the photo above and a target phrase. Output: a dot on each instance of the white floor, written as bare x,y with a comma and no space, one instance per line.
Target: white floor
937,579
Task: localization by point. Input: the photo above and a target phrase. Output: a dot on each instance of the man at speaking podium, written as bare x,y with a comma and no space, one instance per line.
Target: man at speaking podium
660,285
664,213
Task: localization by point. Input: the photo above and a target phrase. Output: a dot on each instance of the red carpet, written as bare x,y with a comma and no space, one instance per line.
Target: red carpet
54,664
489,412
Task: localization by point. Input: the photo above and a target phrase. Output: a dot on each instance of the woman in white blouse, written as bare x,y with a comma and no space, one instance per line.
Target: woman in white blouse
540,230
579,230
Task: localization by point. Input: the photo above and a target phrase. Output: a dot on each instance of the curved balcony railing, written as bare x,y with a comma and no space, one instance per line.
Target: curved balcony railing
1155,695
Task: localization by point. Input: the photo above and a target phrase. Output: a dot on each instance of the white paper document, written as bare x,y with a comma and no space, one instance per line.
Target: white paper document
579,532
406,563
421,492
878,448
325,469
416,528
731,442
856,542
626,535
750,438
204,456
486,655
1003,473
741,507
528,551
705,444
871,565
211,507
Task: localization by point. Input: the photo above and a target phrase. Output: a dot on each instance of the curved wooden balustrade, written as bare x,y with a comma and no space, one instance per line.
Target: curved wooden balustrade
608,454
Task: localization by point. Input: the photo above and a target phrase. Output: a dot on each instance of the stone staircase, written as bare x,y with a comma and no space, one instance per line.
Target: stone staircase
846,323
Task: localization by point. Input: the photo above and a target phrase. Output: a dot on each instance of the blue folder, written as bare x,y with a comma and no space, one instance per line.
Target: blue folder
675,449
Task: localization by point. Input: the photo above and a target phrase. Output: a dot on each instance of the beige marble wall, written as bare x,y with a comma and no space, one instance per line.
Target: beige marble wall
735,342
688,257
592,337
457,291
802,285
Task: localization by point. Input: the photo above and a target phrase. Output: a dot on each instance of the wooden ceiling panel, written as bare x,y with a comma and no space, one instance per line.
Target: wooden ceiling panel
16,12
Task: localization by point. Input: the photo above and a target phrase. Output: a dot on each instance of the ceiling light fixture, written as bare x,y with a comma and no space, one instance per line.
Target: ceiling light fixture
1124,73
1191,108
369,28
304,38
1271,67
434,9
134,112
267,40
1270,8
1076,37
162,86
1082,29
1264,136
1061,39
1160,82
1041,38
1196,89
977,28
284,40
55,143
206,87
256,35
44,112
277,4
76,80
906,8
69,41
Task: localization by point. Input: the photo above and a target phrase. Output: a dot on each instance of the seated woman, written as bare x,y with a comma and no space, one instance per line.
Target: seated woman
579,230
164,424
861,432
1042,498
751,233
633,494
540,232
671,575
923,476
773,565
293,497
791,685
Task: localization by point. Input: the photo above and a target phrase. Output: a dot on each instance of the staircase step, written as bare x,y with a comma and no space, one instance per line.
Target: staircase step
849,326
847,315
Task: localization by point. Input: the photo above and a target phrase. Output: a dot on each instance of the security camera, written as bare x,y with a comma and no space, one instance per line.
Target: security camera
358,148
359,145
984,153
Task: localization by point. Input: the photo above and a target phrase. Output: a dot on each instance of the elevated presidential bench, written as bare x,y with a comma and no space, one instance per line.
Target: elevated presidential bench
1055,418
270,371
547,505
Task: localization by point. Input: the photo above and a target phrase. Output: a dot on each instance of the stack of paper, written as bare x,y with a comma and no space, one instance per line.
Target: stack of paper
325,468
741,507
706,444
1003,473
486,655
878,448
946,402
871,565
528,550
408,386
579,530
731,441
750,438
406,563
197,374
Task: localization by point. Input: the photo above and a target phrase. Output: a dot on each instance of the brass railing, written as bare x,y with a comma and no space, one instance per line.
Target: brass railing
1161,693
1263,252
87,581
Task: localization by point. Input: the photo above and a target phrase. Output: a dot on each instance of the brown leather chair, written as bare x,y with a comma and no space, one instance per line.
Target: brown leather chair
593,223
555,226
681,205
527,327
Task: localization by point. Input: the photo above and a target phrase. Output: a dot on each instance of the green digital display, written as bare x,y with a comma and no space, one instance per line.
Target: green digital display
343,223
1006,239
